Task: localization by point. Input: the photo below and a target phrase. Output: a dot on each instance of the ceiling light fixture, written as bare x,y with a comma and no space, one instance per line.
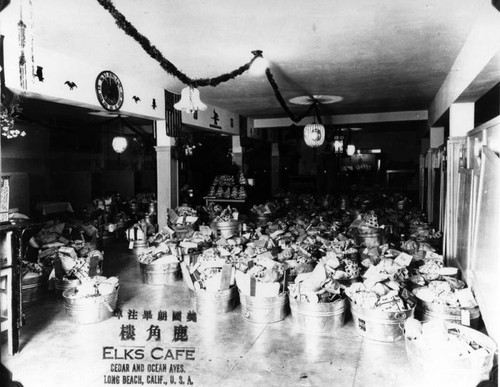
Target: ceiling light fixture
120,142
351,149
190,101
310,99
314,134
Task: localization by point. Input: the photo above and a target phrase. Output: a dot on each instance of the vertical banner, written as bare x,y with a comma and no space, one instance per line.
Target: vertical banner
173,116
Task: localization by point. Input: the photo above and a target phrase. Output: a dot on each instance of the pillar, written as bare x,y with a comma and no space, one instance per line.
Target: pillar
166,174
436,137
461,119
237,152
275,167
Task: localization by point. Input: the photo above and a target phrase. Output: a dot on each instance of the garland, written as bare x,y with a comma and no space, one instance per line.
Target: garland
283,104
171,69
168,66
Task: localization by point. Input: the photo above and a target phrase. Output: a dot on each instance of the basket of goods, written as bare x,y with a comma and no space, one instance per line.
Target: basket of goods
263,213
381,304
159,265
367,231
34,281
74,264
317,301
139,233
183,221
447,354
226,224
447,299
261,285
210,278
94,300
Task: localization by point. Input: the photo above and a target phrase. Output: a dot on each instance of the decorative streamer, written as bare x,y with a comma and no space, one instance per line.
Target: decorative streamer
171,69
168,66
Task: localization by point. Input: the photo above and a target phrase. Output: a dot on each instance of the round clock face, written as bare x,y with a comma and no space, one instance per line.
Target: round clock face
109,90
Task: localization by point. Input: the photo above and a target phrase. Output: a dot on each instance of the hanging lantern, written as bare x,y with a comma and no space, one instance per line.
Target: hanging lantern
119,144
350,150
338,144
314,135
190,101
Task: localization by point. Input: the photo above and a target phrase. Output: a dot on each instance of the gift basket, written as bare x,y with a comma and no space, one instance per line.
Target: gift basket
92,301
317,300
447,354
381,303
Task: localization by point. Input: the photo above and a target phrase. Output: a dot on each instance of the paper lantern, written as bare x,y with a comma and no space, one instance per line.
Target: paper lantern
119,144
314,135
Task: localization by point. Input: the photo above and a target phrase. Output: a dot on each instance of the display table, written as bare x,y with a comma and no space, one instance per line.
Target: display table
47,208
210,199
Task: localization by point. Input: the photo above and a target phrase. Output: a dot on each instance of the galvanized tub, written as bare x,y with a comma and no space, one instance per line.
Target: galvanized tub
380,325
372,238
226,229
264,309
262,220
427,311
160,274
89,310
214,303
431,368
34,286
318,317
63,284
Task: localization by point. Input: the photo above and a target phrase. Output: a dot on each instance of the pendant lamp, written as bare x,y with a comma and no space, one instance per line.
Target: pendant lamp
190,100
314,135
120,142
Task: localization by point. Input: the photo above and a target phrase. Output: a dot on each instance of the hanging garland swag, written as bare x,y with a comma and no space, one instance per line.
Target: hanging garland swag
170,68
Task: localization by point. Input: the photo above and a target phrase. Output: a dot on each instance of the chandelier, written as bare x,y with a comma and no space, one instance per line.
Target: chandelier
190,101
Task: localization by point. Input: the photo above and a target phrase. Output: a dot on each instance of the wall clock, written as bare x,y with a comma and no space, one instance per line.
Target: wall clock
109,90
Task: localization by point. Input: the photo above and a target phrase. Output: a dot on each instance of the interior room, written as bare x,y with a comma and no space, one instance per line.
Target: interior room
246,193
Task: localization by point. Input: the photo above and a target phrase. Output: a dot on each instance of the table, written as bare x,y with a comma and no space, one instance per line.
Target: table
209,199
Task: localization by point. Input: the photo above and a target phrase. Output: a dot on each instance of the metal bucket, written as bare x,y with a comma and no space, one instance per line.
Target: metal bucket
379,325
433,369
160,274
64,284
319,317
264,309
226,229
370,238
34,286
214,303
262,220
427,311
89,310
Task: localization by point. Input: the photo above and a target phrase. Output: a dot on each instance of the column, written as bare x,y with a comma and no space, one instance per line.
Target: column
237,152
461,119
166,174
275,168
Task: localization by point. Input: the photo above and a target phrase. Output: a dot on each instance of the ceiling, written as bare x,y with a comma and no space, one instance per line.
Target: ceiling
379,56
